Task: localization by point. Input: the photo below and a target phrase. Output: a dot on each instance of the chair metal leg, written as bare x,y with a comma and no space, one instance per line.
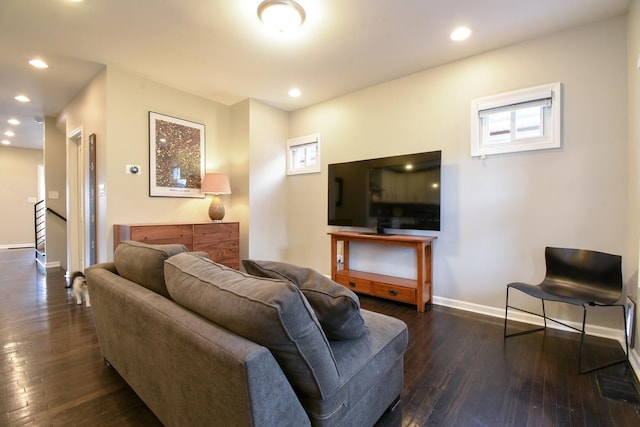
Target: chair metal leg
626,340
529,331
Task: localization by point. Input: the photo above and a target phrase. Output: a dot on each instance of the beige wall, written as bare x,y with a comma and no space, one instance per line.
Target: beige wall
239,178
87,114
129,100
268,204
55,160
19,192
259,198
498,213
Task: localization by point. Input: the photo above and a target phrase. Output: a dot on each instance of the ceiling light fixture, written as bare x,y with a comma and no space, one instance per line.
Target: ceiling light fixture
9,133
295,92
5,142
39,63
22,98
281,15
14,122
460,34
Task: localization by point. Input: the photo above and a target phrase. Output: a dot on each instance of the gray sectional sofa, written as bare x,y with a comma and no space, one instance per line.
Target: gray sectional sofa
203,344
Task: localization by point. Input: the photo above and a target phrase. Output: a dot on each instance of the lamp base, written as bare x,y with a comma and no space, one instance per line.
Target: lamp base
216,209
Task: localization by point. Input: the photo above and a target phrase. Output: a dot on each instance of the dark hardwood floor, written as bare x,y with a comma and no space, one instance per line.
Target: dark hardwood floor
458,369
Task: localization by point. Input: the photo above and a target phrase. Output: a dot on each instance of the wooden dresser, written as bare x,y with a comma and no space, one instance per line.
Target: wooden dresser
221,240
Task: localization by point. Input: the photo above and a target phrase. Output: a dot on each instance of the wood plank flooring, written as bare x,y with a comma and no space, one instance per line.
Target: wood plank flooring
458,369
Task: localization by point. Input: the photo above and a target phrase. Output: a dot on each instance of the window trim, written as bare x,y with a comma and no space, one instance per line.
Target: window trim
293,143
508,100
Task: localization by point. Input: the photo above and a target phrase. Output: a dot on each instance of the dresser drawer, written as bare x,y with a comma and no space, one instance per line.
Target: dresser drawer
356,285
395,293
225,253
206,234
165,234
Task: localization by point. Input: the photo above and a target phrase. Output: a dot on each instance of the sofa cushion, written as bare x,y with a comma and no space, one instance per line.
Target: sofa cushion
337,308
370,373
273,313
144,264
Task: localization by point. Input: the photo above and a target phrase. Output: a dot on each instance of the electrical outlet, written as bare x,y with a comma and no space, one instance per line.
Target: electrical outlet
340,259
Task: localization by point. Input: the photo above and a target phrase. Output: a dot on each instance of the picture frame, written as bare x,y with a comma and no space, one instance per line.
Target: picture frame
176,156
631,311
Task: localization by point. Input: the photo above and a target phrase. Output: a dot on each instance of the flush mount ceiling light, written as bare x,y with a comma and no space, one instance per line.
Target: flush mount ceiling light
22,98
38,63
294,92
460,34
281,15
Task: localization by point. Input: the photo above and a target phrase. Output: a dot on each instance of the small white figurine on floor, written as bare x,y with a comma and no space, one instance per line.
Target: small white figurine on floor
79,288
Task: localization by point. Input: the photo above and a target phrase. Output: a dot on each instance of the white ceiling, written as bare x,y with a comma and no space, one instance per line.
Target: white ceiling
219,50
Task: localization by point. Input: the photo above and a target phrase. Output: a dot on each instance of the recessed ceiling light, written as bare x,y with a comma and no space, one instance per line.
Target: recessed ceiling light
295,93
9,133
13,121
281,15
22,98
5,142
460,34
38,63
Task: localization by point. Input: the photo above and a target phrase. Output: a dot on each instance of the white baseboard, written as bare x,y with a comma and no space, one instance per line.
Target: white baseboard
18,246
598,331
55,264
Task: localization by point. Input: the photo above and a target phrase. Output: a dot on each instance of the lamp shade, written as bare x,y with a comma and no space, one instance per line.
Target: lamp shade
215,183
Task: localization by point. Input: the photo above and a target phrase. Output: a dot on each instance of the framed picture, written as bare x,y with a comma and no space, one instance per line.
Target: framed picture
176,157
631,311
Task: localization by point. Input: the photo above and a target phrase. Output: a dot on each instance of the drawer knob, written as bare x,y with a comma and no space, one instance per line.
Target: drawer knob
393,293
352,284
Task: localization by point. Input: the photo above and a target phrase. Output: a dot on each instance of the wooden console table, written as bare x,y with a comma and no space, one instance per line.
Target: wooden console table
418,291
221,240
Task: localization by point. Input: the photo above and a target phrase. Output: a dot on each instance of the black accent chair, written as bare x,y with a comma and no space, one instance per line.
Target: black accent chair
579,277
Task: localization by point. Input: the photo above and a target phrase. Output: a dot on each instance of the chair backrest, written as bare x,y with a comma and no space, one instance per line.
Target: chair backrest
591,275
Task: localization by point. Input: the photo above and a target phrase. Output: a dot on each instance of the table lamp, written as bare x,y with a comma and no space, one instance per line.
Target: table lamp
216,184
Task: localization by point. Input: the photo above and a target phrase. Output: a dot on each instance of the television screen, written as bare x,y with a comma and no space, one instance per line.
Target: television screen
398,192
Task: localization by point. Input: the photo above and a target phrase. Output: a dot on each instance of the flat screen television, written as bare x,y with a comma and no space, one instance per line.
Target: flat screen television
398,192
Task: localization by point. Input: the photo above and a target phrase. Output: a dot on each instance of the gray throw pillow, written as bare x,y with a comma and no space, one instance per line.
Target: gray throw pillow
337,308
144,264
273,313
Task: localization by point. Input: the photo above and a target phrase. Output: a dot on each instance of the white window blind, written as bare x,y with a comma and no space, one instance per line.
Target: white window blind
522,120
303,154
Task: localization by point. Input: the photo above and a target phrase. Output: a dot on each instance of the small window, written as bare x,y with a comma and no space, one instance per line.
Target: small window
303,154
522,120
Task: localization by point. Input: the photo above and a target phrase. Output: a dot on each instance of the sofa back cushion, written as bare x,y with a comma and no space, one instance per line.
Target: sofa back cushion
144,264
273,313
337,308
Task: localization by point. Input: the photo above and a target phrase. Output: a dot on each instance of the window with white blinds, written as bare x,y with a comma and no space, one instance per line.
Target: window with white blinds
303,154
522,120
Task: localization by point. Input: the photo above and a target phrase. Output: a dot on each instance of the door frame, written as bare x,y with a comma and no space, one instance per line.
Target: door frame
77,224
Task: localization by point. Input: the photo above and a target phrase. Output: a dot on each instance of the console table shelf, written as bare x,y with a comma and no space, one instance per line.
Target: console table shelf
417,291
